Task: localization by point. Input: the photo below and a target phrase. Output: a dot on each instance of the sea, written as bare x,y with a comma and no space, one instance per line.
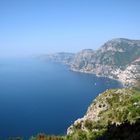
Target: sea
39,96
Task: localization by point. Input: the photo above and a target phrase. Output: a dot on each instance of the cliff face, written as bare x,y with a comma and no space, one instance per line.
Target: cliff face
113,107
118,59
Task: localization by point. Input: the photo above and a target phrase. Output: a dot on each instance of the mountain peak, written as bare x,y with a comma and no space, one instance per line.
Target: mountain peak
123,40
120,45
120,39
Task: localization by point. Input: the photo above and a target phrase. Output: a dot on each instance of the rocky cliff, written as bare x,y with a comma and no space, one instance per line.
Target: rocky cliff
113,107
118,59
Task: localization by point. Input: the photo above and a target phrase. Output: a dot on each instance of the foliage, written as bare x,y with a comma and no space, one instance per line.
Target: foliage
45,137
123,107
123,110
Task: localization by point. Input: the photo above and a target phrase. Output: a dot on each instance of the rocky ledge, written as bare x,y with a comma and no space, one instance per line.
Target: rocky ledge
111,107
118,59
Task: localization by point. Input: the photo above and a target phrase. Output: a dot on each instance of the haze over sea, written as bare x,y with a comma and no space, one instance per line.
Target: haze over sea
37,96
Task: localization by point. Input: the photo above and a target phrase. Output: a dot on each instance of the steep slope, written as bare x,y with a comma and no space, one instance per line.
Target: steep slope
113,108
120,52
115,59
118,58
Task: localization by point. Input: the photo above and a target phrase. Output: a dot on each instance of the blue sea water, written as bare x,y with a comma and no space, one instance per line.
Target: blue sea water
46,97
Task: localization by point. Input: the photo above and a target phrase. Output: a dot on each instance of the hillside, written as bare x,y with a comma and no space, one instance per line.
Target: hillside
110,112
118,59
111,107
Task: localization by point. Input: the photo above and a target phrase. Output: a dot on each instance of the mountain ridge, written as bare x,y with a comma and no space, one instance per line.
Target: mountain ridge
118,58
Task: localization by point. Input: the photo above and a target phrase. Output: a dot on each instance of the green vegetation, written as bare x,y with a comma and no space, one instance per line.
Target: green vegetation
123,107
121,115
125,58
45,137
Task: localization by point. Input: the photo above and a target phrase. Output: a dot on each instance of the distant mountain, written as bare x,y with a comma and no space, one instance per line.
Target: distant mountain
118,58
61,57
117,52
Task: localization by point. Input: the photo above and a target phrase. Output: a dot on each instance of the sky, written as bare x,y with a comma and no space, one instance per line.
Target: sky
32,27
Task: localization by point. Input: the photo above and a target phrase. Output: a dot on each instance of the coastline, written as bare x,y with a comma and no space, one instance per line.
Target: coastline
110,77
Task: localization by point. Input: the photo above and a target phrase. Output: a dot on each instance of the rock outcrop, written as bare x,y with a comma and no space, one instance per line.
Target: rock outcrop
118,59
111,107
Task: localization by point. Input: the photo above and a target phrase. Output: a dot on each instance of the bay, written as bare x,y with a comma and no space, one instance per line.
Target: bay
44,97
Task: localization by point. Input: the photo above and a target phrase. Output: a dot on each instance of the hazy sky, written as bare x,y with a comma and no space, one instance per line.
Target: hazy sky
46,26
